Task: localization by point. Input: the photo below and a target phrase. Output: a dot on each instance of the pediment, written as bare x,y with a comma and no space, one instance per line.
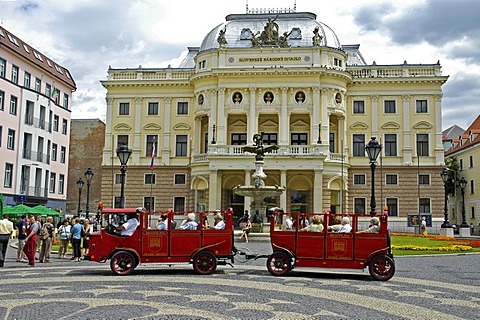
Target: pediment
122,127
152,127
181,126
300,125
269,125
238,125
390,125
422,125
358,126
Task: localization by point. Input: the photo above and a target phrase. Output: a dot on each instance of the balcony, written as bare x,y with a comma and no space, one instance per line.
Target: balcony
34,191
37,123
35,156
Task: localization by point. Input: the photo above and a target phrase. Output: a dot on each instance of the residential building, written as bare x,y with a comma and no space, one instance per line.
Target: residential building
466,151
35,112
286,75
450,134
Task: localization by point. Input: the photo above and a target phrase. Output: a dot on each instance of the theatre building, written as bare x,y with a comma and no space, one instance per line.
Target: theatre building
287,76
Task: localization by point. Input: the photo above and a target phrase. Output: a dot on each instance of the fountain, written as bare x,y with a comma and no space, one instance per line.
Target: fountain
259,191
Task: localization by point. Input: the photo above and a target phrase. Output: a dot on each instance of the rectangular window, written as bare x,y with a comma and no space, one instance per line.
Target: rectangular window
117,202
269,139
359,145
65,101
63,153
359,179
118,178
421,106
124,108
471,161
424,179
390,145
3,68
359,205
38,85
149,203
26,80
180,178
472,212
153,108
1,135
61,184
149,178
56,119
331,142
299,139
358,106
392,204
182,108
151,141
472,187
14,74
179,204
52,182
422,145
11,139
2,100
54,151
181,145
7,181
461,164
239,139
424,205
64,126
48,90
13,105
391,179
122,139
389,106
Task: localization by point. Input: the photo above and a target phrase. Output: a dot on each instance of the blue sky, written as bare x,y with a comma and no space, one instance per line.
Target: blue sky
88,36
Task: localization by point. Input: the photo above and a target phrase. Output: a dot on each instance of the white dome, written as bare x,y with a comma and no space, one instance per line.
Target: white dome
300,27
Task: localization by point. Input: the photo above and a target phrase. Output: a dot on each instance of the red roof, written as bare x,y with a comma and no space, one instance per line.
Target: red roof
465,139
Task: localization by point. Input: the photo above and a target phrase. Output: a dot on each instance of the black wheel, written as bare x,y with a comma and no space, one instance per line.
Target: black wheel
204,262
381,268
122,263
279,263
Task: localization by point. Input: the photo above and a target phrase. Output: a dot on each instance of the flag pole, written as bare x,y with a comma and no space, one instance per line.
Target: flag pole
152,175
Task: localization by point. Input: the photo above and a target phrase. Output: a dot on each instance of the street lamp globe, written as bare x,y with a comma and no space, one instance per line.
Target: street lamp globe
373,149
80,184
445,175
123,154
88,177
463,185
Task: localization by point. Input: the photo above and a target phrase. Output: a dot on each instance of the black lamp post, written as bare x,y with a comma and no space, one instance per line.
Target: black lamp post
213,135
373,149
80,184
123,153
463,184
319,141
88,177
445,175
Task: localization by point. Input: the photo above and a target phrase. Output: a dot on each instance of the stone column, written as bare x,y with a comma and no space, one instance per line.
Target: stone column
283,196
315,120
166,132
325,120
318,191
252,117
221,121
407,147
213,192
374,119
213,116
137,151
439,151
110,146
248,200
284,120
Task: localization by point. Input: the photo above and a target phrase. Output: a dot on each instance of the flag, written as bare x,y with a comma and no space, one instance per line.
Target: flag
152,155
55,94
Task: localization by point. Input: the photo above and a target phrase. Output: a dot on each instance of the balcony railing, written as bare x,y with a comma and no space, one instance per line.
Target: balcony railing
34,191
37,123
35,156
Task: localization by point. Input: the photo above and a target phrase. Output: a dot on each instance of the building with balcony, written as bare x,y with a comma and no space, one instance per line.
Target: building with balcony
465,152
286,75
35,102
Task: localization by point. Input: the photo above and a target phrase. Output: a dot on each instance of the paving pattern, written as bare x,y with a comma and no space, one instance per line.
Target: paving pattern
87,290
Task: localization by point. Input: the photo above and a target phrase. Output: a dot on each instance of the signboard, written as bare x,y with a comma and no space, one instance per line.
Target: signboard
22,198
412,220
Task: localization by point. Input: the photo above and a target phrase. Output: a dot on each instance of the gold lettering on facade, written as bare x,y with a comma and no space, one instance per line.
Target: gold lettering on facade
270,59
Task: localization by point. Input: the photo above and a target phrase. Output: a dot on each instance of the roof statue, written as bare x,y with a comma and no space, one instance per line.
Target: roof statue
316,38
258,148
221,38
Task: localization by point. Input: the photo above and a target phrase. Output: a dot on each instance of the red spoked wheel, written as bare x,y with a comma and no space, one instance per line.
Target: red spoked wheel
279,263
381,268
204,262
122,263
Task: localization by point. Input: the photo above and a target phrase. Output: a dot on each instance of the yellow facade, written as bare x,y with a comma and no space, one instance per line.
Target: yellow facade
306,99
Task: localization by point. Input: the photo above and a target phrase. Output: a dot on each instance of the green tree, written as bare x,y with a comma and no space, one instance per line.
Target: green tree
454,167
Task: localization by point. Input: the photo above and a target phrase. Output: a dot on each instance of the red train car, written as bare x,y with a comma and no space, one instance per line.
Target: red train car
293,247
203,248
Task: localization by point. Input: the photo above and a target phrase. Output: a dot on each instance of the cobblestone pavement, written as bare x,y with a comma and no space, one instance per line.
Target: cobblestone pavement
437,287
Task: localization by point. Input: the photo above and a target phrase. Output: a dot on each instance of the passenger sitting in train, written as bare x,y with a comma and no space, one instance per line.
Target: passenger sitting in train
315,226
189,223
289,223
346,227
374,226
219,223
337,224
162,222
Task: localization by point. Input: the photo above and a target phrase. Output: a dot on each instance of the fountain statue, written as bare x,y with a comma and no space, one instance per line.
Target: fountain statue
259,191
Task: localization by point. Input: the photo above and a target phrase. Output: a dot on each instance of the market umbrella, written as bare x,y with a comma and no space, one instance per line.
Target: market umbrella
44,211
18,210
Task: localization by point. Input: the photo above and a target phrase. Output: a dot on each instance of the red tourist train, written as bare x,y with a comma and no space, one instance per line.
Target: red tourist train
205,248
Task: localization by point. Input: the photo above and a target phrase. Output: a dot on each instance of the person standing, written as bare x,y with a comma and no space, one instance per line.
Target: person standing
22,235
64,235
86,237
76,232
6,230
38,245
31,241
423,226
247,226
46,247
